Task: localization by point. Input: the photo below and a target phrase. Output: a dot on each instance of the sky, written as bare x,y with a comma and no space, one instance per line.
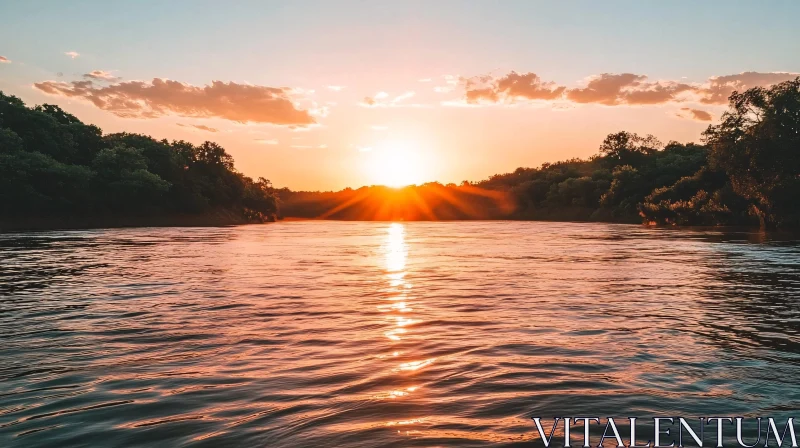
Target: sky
323,95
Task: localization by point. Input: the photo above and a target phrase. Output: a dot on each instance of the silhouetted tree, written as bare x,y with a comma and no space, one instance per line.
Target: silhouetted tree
757,144
52,165
627,148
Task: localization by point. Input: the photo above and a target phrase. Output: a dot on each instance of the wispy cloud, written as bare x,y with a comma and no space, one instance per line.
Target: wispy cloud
403,97
694,114
265,141
4,60
100,75
199,126
243,103
336,88
73,54
382,99
450,83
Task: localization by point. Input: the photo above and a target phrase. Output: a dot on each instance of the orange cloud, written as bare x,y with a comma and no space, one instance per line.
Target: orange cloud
241,103
528,86
199,126
626,88
4,60
513,86
100,75
720,87
694,114
614,89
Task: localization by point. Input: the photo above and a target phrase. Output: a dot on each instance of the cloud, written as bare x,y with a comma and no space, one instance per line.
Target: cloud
528,86
303,128
72,54
243,103
720,87
336,88
265,141
604,89
626,88
403,97
451,82
381,99
100,75
612,89
4,60
694,114
425,80
199,126
511,87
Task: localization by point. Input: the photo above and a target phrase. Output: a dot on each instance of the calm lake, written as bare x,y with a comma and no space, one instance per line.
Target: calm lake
330,334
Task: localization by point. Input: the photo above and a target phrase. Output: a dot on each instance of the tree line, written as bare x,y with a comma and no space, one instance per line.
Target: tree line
746,171
54,169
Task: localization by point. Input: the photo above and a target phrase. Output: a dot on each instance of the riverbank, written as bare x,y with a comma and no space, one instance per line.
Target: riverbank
231,218
211,219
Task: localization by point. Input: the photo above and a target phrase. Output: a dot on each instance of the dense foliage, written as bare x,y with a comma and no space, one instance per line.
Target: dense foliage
53,166
746,173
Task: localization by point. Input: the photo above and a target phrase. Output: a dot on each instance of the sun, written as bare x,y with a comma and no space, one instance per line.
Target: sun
396,164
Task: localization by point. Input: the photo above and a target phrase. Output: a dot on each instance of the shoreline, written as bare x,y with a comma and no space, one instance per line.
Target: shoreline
33,224
228,220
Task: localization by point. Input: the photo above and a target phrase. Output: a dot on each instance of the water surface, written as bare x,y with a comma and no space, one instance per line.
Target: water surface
331,334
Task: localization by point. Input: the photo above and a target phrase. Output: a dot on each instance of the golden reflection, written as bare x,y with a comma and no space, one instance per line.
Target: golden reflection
396,393
406,422
396,251
396,254
400,307
394,333
416,365
397,308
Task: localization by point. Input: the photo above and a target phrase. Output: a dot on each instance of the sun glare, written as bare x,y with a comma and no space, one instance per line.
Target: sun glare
396,164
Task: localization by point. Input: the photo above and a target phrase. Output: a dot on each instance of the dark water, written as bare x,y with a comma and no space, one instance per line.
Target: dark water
326,334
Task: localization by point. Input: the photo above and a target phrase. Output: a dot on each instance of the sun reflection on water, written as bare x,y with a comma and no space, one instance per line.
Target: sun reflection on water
396,251
398,310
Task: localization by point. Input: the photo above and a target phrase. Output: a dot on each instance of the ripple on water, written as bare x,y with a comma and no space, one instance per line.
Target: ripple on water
385,334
